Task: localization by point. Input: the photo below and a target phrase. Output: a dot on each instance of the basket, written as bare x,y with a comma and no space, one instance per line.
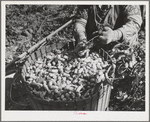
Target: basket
99,101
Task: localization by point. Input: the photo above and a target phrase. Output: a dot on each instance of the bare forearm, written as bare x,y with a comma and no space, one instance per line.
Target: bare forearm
79,29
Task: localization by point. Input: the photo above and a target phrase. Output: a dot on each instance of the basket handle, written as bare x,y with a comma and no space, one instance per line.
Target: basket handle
110,79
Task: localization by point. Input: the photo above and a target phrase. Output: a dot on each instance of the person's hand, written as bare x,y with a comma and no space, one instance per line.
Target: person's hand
84,53
80,46
107,35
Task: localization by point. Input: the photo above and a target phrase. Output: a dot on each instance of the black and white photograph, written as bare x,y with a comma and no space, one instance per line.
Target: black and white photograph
78,58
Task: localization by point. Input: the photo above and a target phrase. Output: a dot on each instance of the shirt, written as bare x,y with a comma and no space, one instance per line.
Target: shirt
126,18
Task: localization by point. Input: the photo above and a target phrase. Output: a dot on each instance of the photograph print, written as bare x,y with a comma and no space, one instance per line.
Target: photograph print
77,57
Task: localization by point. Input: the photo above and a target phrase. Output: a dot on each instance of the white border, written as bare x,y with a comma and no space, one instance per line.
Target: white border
78,2
71,115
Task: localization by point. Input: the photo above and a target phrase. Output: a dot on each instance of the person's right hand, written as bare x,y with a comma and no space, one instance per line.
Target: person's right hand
84,53
80,46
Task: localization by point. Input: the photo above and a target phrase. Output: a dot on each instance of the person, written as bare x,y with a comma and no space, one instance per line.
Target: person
112,24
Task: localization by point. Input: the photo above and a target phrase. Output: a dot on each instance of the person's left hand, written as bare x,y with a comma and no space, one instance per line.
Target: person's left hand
106,36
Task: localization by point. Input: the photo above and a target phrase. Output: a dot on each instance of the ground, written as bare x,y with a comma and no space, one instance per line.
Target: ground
28,24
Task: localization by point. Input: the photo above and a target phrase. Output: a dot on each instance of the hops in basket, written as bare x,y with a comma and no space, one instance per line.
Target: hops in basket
56,77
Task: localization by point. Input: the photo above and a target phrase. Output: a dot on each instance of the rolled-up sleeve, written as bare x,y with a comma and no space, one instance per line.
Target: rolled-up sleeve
132,22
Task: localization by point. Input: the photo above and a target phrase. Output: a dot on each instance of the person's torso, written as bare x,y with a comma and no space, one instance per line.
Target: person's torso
112,18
